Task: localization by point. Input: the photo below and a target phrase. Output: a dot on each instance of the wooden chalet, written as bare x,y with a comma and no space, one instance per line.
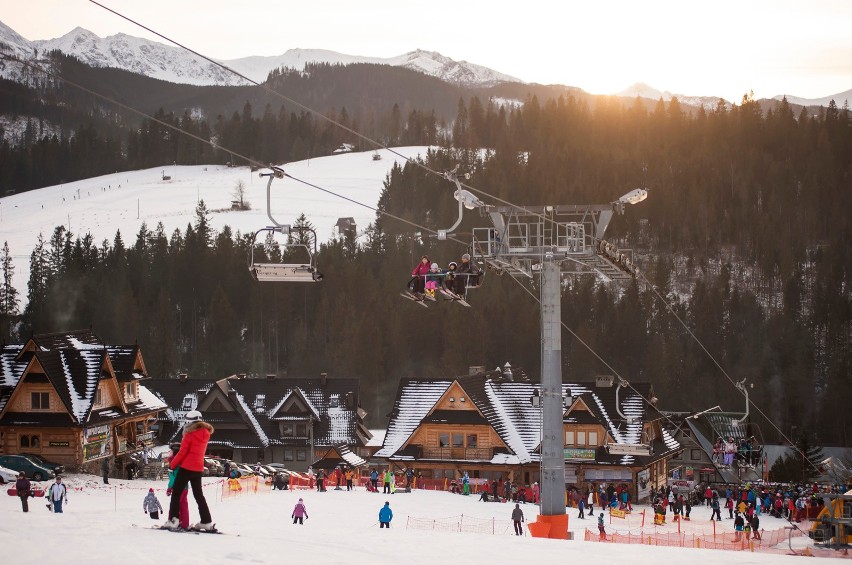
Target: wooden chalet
490,428
294,421
72,399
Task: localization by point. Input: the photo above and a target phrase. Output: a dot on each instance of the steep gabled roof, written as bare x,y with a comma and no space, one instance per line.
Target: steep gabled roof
414,399
74,375
506,407
257,404
123,359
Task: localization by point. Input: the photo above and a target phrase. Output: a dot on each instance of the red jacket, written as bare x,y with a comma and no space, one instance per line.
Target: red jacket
193,447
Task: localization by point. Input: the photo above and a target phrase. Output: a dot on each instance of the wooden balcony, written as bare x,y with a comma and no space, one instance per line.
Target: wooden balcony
458,453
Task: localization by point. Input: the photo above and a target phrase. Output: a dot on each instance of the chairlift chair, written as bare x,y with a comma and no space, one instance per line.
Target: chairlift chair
282,272
644,448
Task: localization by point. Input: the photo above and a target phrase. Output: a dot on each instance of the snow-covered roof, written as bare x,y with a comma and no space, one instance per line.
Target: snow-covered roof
507,408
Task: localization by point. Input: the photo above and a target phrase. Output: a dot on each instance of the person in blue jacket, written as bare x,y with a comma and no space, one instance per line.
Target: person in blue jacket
385,516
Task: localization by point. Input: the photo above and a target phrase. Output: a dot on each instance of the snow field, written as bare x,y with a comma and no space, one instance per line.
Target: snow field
97,527
123,201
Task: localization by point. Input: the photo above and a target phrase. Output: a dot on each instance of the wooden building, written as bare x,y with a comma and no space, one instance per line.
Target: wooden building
72,399
289,420
490,427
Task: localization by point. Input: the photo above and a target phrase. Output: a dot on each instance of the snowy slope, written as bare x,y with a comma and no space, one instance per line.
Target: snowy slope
97,527
123,201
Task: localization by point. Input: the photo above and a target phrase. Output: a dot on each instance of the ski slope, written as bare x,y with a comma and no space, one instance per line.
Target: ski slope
97,527
123,201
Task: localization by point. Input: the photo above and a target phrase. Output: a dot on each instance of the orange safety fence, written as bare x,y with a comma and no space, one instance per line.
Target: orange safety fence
244,485
727,540
461,523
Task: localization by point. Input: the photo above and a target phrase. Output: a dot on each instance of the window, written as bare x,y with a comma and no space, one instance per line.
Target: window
443,439
301,455
30,441
287,430
569,438
187,403
695,454
130,390
334,401
288,454
686,433
40,400
458,439
99,397
581,438
301,430
593,439
472,440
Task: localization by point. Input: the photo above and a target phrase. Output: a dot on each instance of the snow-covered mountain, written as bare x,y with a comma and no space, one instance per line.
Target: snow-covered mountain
174,64
839,99
644,91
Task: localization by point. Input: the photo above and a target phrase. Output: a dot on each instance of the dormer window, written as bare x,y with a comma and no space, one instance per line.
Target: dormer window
452,399
461,399
130,390
259,402
334,401
187,403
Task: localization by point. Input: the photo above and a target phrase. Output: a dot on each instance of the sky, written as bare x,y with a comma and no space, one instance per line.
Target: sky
724,48
97,526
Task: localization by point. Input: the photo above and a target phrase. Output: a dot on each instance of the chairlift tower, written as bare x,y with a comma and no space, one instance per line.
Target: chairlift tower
549,242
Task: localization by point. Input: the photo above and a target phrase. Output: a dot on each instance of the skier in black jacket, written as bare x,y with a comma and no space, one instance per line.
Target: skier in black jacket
22,487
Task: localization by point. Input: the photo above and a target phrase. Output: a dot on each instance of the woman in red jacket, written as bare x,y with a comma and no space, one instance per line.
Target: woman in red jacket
189,463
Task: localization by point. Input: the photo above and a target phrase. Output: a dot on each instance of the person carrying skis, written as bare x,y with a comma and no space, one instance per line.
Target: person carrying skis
385,516
22,488
151,506
299,512
518,518
189,463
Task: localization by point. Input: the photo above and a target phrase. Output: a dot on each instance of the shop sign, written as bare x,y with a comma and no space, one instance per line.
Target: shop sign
58,444
96,442
643,477
581,454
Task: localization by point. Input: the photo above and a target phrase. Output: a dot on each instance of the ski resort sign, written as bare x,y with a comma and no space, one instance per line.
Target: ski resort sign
575,454
96,442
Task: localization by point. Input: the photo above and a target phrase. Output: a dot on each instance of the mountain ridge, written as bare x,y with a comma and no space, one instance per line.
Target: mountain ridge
176,65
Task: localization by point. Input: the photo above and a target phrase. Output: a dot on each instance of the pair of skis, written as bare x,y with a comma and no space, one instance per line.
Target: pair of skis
184,531
421,299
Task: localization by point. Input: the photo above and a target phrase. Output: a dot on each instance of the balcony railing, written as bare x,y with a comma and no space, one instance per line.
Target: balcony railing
464,453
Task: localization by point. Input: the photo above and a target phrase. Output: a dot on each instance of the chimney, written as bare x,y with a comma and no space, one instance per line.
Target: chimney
270,376
323,379
604,381
475,369
183,377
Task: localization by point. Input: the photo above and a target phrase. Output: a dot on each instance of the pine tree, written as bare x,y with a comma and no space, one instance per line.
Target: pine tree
8,293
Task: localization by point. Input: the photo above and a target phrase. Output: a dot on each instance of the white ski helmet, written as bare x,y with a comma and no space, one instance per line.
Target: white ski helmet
434,267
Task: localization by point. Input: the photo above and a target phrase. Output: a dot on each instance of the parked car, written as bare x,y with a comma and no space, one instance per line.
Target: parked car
8,475
57,467
30,467
245,469
216,468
